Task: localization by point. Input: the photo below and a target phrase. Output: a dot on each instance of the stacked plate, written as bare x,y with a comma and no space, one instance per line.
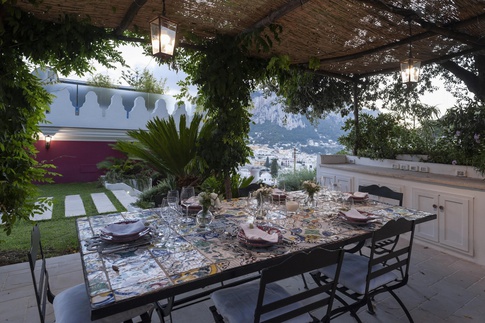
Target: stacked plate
358,197
278,195
259,242
124,231
355,217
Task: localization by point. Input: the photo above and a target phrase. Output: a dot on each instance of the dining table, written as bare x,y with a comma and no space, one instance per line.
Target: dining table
174,255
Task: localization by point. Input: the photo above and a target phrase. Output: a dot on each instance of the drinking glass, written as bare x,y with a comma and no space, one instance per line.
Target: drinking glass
291,207
173,199
186,197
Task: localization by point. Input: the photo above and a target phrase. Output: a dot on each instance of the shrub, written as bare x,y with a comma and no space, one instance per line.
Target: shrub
293,181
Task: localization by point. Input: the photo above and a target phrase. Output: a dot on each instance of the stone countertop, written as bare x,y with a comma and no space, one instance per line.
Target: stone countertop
430,178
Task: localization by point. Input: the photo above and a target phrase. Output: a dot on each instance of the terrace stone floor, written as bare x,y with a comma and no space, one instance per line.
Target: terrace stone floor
442,288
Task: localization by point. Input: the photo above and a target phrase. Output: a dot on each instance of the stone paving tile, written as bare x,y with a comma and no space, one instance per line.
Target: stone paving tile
103,203
74,206
124,198
47,215
429,298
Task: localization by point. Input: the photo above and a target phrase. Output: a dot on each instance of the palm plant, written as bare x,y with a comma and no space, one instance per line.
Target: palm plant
168,149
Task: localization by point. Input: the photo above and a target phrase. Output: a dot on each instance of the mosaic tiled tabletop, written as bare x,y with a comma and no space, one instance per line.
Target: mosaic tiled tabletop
178,251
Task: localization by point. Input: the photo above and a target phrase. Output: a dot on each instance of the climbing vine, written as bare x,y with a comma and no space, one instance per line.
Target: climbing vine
67,46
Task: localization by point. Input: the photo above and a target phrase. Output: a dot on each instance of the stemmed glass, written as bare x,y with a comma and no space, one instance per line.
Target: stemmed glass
186,197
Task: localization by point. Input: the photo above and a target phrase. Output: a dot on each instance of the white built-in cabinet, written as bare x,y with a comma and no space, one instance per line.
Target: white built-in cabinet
454,225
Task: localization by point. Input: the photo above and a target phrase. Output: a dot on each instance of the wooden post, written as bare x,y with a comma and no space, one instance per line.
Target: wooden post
356,119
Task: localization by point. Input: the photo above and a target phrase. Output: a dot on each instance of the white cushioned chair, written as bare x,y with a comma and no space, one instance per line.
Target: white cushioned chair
361,277
266,300
71,305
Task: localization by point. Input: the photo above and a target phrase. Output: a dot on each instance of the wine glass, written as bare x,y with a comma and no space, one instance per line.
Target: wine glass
186,197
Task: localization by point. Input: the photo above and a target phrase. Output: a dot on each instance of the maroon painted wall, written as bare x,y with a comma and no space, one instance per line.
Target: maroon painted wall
76,160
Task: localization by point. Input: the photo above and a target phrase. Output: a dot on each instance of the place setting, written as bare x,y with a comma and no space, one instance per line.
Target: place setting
120,236
356,217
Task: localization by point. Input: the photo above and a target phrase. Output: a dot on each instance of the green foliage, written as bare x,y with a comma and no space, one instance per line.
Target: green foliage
267,163
168,148
212,184
24,40
462,140
274,168
145,81
23,103
293,181
225,77
146,199
379,136
135,173
101,80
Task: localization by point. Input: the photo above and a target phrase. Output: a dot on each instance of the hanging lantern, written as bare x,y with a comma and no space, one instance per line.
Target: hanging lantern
163,36
410,69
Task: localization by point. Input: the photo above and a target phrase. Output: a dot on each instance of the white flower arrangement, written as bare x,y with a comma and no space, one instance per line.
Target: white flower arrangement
263,191
310,187
207,199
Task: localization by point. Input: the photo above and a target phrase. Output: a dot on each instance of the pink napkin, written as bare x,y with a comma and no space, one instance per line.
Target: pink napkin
360,194
255,233
355,215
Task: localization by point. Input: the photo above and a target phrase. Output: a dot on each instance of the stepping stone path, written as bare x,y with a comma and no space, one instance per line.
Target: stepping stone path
47,215
74,205
103,203
124,198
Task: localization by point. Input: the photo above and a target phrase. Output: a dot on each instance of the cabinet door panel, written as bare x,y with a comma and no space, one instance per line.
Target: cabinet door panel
428,202
454,222
346,183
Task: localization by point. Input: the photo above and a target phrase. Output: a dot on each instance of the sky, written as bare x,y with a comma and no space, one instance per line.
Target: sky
135,58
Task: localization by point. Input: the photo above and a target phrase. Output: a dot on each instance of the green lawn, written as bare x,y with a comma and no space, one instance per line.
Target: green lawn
58,234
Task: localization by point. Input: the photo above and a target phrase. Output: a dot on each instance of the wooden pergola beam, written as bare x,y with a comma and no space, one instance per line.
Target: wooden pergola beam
276,14
129,16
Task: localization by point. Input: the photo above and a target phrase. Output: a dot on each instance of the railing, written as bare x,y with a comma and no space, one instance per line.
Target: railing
78,105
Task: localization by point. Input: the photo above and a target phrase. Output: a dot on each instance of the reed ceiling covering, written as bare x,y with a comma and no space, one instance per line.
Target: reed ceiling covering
351,38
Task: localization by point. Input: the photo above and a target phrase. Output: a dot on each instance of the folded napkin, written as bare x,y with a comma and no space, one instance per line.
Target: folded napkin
277,191
256,233
193,200
355,215
360,194
125,228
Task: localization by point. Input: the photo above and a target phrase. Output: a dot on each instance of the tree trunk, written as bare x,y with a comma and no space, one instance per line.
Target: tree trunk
475,83
227,186
356,120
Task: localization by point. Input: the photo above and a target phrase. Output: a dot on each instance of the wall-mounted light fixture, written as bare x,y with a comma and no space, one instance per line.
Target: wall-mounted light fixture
48,140
410,67
163,35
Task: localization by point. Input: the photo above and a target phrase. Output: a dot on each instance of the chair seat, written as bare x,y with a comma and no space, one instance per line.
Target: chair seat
354,271
72,306
237,304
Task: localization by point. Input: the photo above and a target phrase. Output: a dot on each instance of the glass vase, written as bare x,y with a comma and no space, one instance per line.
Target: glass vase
204,218
311,200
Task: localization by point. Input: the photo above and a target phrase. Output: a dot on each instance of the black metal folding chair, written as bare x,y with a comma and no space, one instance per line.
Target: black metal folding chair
384,191
361,277
71,305
267,300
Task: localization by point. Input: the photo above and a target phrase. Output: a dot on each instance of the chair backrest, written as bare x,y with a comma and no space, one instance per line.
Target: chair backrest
244,191
315,297
382,191
395,260
40,276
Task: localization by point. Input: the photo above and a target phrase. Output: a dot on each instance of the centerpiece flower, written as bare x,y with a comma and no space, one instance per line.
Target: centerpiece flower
207,200
261,193
310,187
